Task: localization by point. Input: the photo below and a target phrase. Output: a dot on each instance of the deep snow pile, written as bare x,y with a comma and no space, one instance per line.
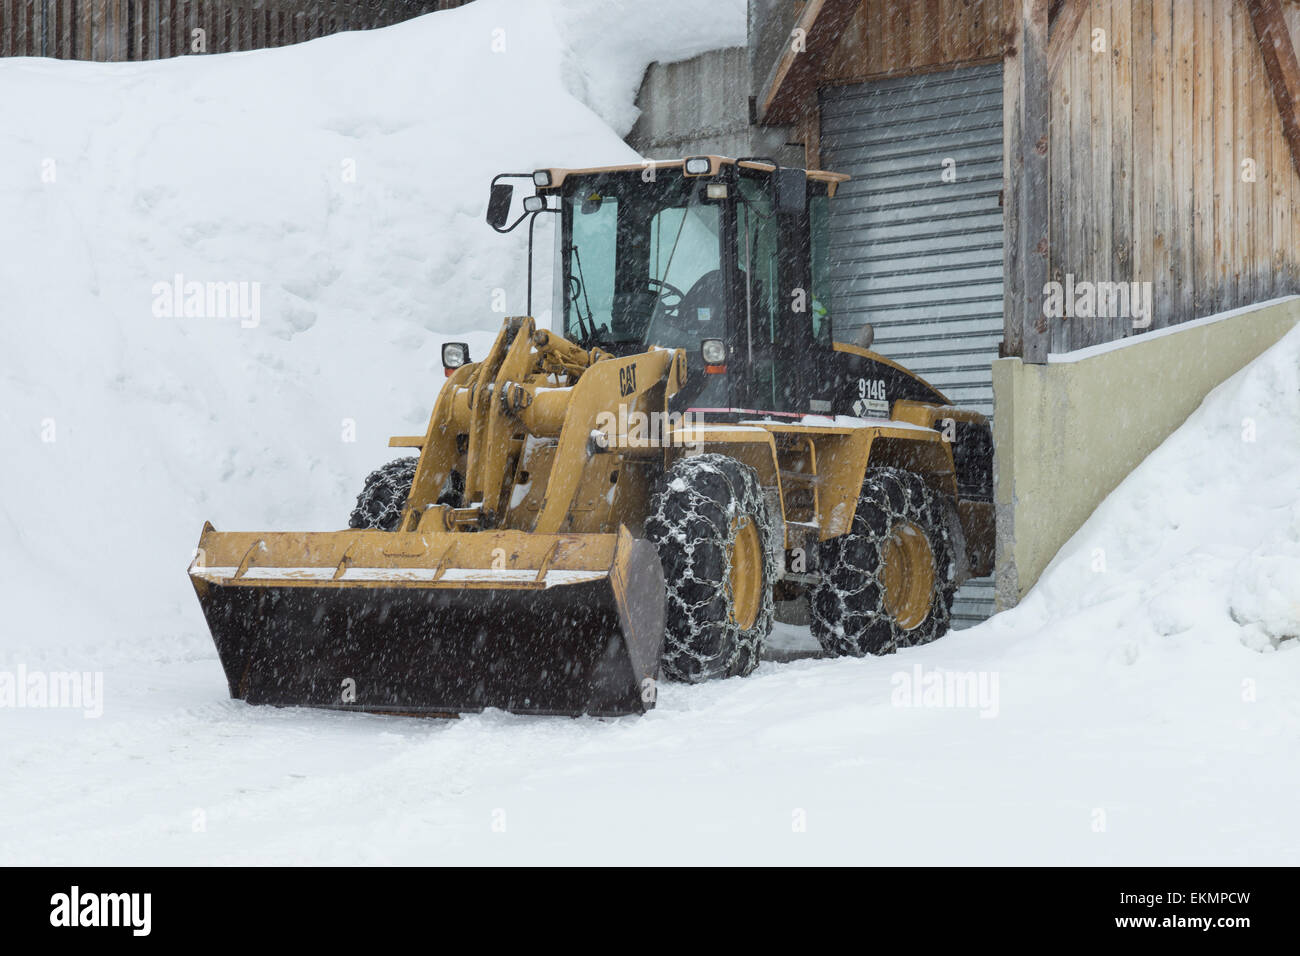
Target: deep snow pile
347,178
1140,706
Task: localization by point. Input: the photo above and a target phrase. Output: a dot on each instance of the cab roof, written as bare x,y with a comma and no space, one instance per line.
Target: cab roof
558,174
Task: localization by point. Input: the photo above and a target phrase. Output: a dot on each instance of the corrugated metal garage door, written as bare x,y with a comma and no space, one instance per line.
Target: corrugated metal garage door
918,257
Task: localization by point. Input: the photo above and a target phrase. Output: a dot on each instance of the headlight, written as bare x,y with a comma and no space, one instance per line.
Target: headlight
542,177
698,166
534,204
714,352
454,355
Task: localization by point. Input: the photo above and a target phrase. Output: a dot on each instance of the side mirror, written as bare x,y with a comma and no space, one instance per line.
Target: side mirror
791,190
498,211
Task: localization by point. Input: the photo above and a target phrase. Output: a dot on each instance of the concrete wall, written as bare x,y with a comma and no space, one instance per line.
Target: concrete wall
701,105
1068,432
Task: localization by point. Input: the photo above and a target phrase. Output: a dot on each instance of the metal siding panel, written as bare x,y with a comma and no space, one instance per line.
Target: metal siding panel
919,258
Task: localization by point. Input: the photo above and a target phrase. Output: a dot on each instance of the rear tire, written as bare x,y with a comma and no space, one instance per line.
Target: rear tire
712,528
383,497
889,582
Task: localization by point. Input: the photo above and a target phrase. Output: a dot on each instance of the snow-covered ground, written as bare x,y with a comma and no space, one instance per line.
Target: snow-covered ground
1141,706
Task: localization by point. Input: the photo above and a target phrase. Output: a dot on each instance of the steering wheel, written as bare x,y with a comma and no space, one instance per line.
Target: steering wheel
666,291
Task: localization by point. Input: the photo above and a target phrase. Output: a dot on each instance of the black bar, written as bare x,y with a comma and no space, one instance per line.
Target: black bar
984,906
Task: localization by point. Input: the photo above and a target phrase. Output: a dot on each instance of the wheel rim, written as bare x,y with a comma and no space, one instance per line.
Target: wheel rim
746,575
908,574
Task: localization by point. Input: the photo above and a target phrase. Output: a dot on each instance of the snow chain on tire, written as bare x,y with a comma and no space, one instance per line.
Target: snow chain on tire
695,521
383,498
847,607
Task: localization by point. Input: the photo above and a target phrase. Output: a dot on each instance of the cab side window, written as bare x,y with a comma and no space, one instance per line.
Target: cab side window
819,225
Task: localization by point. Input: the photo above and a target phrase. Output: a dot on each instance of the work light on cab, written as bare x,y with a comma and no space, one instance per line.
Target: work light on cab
698,166
714,352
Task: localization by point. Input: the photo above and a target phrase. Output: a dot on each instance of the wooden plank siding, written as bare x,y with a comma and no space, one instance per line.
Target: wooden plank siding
1169,162
1142,244
119,30
1012,132
1168,120
1077,189
1098,131
902,37
1122,152
1223,92
1061,171
1034,188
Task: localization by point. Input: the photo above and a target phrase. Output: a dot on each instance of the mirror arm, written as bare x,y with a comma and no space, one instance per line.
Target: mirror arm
513,225
528,308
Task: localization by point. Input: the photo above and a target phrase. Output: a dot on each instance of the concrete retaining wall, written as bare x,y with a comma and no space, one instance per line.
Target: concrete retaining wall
1067,433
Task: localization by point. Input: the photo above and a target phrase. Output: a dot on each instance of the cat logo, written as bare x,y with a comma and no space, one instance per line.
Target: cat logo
627,380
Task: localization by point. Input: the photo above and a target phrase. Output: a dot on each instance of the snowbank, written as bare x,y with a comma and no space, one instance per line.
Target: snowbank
608,44
343,182
1204,537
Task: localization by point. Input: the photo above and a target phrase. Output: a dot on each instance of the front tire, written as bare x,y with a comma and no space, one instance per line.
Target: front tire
889,582
383,497
712,528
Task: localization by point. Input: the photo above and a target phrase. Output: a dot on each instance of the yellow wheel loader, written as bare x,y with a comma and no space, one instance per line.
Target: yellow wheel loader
624,496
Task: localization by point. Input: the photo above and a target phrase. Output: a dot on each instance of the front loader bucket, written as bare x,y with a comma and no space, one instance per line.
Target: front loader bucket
445,623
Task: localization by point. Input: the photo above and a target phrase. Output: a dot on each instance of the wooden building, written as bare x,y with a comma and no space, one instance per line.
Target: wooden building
1149,141
110,30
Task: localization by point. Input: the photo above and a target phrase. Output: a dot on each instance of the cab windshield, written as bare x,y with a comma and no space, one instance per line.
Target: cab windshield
642,262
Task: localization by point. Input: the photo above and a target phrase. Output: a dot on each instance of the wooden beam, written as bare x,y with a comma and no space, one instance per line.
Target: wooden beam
809,132
1012,343
767,97
794,78
1280,63
1026,199
1063,26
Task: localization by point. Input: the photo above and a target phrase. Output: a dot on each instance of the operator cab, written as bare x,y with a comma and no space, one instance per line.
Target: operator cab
725,259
